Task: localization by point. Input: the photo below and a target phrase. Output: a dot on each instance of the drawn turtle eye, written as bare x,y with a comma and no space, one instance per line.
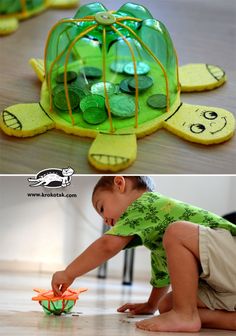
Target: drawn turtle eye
210,115
197,128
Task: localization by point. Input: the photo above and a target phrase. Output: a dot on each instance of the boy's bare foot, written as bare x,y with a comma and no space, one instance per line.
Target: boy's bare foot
172,321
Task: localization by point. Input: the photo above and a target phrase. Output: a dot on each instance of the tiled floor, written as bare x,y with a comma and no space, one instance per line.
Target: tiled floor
96,309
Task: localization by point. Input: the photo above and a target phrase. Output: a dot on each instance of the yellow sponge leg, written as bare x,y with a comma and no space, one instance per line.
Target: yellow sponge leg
8,25
25,120
63,3
200,77
113,152
38,66
201,124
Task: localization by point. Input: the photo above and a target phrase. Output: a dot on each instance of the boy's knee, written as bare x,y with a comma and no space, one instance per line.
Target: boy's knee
172,232
182,233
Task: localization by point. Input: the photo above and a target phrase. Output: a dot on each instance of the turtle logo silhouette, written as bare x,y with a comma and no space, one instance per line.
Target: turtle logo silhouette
52,178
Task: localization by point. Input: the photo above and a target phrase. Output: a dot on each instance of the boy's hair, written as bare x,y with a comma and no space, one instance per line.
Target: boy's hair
139,182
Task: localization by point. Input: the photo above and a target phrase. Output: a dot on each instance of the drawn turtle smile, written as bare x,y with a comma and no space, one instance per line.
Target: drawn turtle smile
200,128
220,129
208,122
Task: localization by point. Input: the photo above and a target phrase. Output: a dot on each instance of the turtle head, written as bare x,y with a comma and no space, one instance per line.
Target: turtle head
202,124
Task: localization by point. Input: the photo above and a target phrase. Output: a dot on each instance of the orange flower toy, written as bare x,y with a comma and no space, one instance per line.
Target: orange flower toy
57,304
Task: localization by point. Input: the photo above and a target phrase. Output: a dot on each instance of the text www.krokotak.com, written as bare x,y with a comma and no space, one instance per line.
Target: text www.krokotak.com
51,194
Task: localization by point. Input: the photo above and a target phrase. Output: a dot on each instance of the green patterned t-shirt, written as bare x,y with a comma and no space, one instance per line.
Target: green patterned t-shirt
147,219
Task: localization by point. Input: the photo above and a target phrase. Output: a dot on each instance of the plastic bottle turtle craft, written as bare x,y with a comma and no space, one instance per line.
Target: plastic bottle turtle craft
57,305
11,11
114,76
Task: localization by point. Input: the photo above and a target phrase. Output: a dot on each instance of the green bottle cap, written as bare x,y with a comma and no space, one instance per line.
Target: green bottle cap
105,18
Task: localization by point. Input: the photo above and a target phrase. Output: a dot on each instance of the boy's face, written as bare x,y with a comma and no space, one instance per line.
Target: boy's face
111,204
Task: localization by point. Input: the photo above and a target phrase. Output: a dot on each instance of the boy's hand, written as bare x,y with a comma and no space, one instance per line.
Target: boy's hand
60,282
137,308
